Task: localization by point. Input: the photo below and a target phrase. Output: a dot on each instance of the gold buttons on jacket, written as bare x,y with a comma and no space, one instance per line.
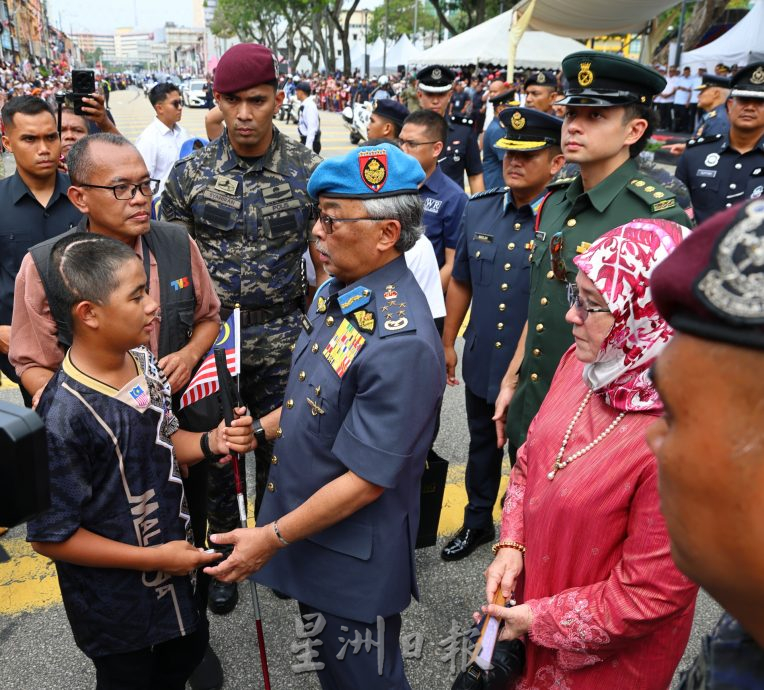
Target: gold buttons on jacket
292,347
536,352
502,307
271,487
544,301
534,377
279,433
498,345
290,404
571,223
507,266
517,226
314,348
539,327
477,254
500,326
274,460
504,287
329,320
511,245
301,376
550,274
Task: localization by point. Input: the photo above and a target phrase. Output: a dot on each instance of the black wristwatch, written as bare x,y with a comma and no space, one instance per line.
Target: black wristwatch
259,432
204,444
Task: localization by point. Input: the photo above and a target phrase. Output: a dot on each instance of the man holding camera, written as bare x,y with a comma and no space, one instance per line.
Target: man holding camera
34,202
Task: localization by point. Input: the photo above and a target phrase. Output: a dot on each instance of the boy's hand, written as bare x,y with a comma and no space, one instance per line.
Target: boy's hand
237,438
180,557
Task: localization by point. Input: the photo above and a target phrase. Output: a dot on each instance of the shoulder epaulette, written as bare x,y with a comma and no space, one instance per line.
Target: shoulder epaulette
562,182
489,192
704,140
461,120
656,196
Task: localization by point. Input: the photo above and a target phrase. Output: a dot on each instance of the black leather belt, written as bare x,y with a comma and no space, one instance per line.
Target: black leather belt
257,317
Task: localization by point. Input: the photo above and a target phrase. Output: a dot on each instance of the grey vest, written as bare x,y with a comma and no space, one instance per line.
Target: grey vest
169,244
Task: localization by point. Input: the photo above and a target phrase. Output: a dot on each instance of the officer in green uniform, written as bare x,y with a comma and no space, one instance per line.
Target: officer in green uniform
606,125
244,200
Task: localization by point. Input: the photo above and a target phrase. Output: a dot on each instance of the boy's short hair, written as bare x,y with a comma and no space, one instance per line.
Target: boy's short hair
83,267
26,105
162,91
434,124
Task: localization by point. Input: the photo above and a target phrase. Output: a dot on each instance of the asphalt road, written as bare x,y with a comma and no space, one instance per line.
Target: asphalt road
37,651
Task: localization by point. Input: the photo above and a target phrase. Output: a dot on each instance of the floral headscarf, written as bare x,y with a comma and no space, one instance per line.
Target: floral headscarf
620,264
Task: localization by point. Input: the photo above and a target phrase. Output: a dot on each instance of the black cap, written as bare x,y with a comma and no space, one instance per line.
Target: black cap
507,97
602,80
303,86
714,80
542,78
749,81
528,130
435,79
391,110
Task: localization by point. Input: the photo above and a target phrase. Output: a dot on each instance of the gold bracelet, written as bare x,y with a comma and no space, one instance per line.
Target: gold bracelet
508,544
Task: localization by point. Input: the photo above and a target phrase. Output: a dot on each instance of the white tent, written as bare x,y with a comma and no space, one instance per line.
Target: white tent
401,53
590,18
489,43
742,44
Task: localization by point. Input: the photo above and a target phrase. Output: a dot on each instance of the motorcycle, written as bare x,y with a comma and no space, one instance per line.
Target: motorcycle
289,110
356,118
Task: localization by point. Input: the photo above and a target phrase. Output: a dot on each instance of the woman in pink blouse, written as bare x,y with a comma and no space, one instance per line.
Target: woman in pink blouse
583,544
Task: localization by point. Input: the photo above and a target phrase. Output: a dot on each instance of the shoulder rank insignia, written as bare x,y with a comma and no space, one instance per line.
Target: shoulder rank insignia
396,324
488,192
663,205
322,304
354,299
343,348
704,140
365,320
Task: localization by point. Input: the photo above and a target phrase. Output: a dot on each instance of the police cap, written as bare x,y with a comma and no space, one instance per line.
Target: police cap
710,287
391,110
602,80
367,172
542,78
243,66
749,81
508,97
710,80
527,129
435,79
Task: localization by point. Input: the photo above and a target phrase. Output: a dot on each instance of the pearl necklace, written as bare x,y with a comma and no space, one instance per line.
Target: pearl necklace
559,463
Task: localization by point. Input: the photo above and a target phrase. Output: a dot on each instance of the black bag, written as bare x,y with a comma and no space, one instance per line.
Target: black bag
431,499
508,665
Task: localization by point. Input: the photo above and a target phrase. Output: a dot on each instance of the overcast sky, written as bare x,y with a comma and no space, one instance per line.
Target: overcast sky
104,16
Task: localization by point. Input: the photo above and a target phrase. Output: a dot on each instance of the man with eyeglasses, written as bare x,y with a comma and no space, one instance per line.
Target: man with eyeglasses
160,142
339,520
33,200
492,273
607,124
112,190
423,136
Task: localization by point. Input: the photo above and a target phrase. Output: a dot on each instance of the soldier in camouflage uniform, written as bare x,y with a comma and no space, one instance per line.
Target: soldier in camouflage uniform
244,200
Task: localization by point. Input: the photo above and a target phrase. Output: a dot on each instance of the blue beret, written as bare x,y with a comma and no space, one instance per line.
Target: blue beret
368,172
391,110
190,145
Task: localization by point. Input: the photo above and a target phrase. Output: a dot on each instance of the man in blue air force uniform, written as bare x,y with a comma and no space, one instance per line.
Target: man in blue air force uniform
341,510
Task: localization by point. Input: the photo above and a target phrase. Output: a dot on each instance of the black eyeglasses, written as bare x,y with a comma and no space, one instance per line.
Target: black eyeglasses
125,192
574,300
413,144
328,222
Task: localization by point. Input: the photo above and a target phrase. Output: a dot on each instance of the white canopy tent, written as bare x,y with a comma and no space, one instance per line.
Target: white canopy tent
488,43
401,53
741,45
590,18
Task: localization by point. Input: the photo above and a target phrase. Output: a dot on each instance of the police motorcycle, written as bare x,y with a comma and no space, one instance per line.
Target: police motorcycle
289,110
356,118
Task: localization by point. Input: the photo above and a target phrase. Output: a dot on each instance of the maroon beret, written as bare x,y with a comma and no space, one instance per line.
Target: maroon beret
243,66
712,285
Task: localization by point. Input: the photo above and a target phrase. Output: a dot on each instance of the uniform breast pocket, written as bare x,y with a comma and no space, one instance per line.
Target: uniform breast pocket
322,400
525,278
13,245
217,217
482,255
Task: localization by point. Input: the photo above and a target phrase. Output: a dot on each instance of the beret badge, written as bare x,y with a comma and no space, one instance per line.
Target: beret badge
373,168
733,285
585,75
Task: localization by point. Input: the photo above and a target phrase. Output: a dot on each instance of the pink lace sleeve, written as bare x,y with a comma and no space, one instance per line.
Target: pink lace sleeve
587,624
512,514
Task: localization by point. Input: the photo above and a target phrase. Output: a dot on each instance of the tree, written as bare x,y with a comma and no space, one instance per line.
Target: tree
400,17
697,21
460,15
342,24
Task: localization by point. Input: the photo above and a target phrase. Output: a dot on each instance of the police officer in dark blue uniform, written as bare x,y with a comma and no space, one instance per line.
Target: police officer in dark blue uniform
339,520
434,86
493,175
714,92
492,270
722,170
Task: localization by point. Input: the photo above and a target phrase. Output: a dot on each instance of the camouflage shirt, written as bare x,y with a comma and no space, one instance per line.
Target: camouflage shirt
250,218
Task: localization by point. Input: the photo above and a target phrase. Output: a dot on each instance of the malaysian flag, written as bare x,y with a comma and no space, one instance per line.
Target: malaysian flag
205,381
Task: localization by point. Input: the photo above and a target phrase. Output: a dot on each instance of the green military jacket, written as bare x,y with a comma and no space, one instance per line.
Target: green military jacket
625,195
251,219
